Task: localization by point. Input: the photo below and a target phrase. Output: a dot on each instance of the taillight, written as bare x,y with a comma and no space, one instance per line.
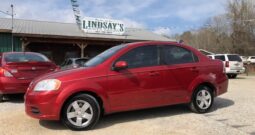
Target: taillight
227,64
1,71
5,73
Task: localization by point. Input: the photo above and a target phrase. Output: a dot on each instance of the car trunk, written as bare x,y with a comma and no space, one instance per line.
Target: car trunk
29,70
236,65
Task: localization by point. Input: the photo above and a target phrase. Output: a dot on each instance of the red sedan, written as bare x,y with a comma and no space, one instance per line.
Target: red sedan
18,69
127,77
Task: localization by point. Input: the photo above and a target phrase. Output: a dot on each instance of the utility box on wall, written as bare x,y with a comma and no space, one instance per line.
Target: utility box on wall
6,42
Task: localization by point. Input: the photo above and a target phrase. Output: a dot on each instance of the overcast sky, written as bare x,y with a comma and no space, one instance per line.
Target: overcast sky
161,16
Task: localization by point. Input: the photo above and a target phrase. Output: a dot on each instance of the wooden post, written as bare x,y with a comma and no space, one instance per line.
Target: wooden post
24,45
82,47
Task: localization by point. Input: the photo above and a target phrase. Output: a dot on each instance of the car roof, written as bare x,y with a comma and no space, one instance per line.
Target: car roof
227,54
166,43
161,43
152,43
77,58
20,53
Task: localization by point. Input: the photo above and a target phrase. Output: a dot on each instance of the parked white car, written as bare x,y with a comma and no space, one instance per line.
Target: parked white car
232,62
244,59
251,60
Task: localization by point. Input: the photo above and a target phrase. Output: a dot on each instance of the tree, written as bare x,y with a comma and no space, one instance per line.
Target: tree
232,32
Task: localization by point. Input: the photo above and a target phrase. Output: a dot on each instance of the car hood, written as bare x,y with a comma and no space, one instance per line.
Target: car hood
68,74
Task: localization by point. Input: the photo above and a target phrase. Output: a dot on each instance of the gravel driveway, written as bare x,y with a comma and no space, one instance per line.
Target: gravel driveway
233,114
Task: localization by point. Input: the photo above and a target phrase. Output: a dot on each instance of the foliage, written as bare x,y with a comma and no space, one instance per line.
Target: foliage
232,32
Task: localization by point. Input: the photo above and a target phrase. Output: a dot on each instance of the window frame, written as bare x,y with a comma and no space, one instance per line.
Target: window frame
158,56
220,56
195,58
231,56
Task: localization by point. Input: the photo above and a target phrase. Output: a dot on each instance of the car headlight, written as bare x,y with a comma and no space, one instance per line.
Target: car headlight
47,85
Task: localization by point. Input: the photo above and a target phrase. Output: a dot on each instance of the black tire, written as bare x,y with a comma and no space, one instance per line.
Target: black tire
232,76
93,110
194,104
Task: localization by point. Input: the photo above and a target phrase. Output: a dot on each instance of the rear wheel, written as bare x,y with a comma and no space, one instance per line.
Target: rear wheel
234,76
81,112
202,100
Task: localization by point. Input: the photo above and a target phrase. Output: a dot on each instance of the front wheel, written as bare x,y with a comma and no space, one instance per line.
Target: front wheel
81,112
202,100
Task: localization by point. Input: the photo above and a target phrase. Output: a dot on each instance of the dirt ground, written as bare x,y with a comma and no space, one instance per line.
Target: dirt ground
232,114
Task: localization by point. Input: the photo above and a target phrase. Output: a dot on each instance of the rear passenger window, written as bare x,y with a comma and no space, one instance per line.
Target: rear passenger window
220,57
234,58
80,62
178,55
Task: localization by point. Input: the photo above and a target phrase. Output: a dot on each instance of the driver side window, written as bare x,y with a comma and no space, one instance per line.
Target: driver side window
144,56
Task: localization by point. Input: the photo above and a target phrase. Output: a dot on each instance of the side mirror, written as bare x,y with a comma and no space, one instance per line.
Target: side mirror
120,65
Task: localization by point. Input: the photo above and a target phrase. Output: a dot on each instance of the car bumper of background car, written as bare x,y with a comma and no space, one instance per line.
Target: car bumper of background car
41,105
10,85
235,71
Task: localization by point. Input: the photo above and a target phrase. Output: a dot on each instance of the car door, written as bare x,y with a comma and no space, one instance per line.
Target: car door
182,65
138,85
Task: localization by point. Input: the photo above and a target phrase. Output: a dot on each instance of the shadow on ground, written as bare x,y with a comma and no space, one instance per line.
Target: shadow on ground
221,103
15,98
239,78
169,111
55,125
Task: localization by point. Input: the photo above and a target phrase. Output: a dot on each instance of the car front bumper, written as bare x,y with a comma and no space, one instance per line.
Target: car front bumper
42,105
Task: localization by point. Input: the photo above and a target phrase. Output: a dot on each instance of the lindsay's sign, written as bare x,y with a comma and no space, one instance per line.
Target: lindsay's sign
103,26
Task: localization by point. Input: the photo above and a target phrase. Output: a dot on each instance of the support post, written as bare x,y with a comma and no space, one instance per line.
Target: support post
12,29
24,45
82,47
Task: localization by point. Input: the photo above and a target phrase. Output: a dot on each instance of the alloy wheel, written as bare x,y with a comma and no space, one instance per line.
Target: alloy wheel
203,99
79,113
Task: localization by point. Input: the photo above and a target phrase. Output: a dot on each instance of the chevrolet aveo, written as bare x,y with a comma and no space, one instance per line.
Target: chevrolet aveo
127,77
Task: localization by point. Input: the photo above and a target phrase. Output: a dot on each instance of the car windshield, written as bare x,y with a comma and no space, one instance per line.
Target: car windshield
25,57
80,62
234,58
103,56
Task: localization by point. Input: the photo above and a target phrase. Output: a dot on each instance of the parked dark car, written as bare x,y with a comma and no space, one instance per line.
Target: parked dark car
18,69
74,63
127,77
